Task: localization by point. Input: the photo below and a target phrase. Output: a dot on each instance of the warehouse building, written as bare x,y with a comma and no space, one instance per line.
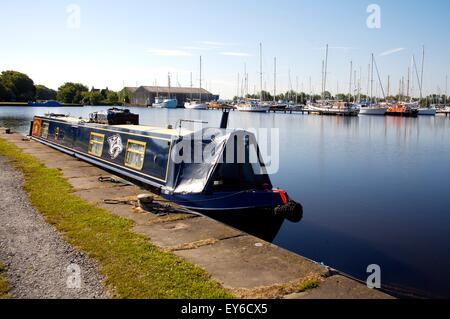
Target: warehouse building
145,95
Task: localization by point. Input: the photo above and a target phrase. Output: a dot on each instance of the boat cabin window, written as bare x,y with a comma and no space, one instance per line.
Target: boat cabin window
135,154
96,142
44,130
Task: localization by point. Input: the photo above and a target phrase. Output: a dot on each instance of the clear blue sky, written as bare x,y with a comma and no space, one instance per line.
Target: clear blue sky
140,41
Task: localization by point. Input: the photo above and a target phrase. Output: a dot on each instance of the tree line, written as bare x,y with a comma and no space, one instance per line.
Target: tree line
19,87
303,98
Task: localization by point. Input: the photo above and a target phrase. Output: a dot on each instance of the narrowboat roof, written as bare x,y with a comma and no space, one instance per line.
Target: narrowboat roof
129,128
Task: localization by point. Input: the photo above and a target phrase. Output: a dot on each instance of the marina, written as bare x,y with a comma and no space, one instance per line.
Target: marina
329,227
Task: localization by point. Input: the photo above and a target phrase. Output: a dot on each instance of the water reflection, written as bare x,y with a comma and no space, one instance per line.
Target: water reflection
262,224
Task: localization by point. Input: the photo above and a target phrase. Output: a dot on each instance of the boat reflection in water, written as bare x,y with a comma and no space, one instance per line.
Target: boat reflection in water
262,224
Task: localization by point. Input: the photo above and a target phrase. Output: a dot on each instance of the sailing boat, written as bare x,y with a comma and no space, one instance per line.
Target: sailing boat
196,104
424,110
372,109
325,108
253,105
168,103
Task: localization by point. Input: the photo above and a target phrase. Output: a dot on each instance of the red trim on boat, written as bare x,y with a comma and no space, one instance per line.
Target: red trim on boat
283,195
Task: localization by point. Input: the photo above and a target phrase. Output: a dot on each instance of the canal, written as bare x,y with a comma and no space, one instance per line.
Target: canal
375,190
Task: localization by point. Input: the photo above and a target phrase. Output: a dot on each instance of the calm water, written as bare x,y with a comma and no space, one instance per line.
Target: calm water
375,190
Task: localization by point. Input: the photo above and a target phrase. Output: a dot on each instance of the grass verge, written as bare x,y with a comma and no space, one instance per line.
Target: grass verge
3,284
132,266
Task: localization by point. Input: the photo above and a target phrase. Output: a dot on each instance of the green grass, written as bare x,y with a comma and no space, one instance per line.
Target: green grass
132,266
13,103
308,285
3,284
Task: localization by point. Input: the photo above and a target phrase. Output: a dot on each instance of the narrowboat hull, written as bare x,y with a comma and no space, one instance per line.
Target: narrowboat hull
143,154
75,138
229,201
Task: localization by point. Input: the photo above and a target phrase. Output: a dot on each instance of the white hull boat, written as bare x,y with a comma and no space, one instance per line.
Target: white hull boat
373,111
427,111
165,104
195,106
252,107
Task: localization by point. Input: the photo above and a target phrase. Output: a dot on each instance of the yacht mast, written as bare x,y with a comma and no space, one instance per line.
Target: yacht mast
168,77
389,86
418,79
238,86
260,73
200,79
325,74
192,86
323,71
359,84
379,78
446,90
351,81
371,81
421,74
408,83
274,79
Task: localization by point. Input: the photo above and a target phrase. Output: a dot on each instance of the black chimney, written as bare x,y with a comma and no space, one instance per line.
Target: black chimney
224,121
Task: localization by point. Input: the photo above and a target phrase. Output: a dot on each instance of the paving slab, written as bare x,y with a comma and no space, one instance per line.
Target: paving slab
39,151
127,211
186,231
99,195
340,287
81,171
65,163
247,262
92,182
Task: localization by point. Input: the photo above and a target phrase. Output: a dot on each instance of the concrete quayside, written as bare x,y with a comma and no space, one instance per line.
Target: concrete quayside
247,266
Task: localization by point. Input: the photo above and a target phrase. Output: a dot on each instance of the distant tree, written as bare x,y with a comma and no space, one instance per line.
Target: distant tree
316,97
124,96
5,93
342,97
96,98
104,93
86,97
44,93
327,95
112,98
71,92
20,86
302,98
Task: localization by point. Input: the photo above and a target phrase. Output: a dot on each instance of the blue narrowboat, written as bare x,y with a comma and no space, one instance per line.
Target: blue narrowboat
164,159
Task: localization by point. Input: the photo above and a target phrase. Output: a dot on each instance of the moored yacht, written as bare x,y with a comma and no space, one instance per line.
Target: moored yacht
402,109
252,106
372,109
162,103
431,111
195,105
338,108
